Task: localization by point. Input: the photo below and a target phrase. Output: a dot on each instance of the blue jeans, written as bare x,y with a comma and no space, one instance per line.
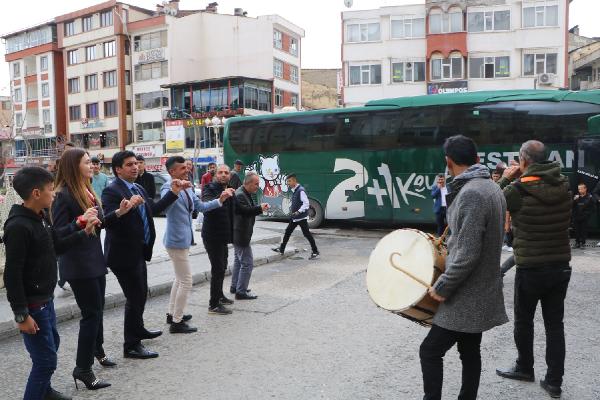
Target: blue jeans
42,348
242,268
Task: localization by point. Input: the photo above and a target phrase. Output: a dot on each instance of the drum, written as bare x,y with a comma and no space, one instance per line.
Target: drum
402,267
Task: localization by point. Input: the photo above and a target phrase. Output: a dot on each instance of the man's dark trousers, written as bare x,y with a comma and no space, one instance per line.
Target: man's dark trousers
303,223
580,231
134,282
217,255
432,351
548,285
440,220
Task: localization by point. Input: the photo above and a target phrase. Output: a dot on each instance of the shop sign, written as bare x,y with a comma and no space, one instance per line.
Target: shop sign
148,151
175,136
447,87
151,56
91,123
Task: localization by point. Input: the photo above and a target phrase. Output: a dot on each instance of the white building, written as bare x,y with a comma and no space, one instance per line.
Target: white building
453,46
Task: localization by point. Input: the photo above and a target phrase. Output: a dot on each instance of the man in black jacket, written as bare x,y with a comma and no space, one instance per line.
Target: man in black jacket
145,179
583,206
243,226
30,273
217,233
128,246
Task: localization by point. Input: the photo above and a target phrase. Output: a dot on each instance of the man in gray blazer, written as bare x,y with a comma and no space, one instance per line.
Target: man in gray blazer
470,290
243,226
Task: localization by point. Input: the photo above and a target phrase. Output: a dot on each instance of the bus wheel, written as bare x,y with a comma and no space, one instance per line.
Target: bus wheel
315,214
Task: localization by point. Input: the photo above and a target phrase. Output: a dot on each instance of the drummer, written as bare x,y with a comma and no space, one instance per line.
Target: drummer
470,290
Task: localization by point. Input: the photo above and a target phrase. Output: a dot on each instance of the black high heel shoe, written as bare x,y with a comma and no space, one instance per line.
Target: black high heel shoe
105,361
89,379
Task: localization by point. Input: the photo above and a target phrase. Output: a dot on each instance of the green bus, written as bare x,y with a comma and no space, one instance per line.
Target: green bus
378,162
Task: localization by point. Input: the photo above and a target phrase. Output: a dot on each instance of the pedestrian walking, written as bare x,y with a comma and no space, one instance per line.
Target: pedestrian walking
99,179
298,217
539,201
439,191
236,179
145,179
243,226
32,244
177,240
583,206
217,233
84,266
128,246
470,289
209,176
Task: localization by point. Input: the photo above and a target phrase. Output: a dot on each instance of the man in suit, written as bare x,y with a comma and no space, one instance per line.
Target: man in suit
243,225
128,245
217,233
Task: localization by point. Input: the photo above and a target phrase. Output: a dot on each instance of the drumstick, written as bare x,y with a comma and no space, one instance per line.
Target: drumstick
422,282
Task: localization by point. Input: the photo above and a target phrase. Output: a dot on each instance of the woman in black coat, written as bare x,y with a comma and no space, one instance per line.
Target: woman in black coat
83,266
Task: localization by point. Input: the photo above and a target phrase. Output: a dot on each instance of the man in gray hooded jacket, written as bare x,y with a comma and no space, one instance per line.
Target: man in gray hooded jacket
470,290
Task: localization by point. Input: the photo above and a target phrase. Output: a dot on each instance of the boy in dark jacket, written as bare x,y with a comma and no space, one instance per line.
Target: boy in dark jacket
583,206
30,273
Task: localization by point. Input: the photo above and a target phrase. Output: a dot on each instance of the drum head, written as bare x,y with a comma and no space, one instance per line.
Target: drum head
390,288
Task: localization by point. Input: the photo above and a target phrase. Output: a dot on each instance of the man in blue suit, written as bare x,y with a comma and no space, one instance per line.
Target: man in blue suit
439,191
178,239
128,246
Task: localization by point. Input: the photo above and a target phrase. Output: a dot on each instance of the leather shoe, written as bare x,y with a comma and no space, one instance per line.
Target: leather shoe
139,352
225,301
52,394
182,327
245,296
186,318
553,391
517,374
233,291
151,334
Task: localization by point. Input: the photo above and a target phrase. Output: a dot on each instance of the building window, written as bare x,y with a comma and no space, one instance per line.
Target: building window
44,63
257,98
150,41
542,15
106,18
365,74
127,107
19,120
72,57
535,64
149,131
91,82
16,70
447,68
440,22
489,67
69,28
127,77
408,72
73,85
18,95
294,100
154,70
293,73
109,49
278,98
74,113
277,39
293,46
147,101
110,108
488,21
278,68
45,90
91,111
86,23
109,79
127,47
90,53
406,27
46,116
363,32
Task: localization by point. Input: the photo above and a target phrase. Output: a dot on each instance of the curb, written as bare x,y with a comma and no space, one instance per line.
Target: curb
71,311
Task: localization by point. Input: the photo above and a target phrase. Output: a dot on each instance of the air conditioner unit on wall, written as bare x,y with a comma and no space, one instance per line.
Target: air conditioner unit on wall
546,79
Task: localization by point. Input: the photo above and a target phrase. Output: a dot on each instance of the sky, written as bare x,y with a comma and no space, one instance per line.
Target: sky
319,18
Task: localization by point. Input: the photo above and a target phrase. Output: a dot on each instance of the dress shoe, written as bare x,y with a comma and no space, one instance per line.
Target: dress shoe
185,318
219,310
182,327
52,394
89,379
151,334
245,296
553,391
105,361
225,301
517,374
139,352
277,250
233,291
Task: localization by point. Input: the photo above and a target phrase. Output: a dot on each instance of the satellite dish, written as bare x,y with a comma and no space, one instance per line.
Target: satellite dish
348,3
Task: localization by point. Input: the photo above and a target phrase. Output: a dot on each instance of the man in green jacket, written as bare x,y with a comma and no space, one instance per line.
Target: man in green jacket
539,200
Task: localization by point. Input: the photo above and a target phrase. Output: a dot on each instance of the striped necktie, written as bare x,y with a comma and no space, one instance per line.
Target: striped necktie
142,210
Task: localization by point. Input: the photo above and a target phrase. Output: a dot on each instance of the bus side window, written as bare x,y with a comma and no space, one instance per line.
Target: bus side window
354,131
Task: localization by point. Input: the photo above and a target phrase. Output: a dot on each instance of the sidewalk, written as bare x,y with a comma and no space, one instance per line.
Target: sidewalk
160,278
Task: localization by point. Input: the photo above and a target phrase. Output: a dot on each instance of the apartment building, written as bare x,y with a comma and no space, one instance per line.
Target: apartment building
37,95
454,46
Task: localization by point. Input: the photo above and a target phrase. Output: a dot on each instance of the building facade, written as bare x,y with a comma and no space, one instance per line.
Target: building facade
454,46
